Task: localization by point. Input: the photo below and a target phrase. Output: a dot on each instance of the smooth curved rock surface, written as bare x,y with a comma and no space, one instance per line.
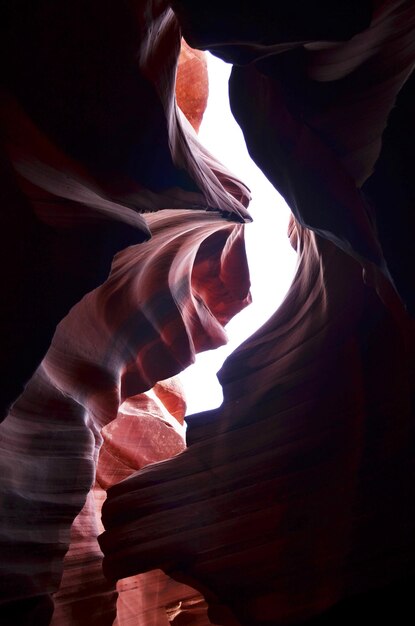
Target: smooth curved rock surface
70,213
294,502
143,432
298,492
330,123
143,324
91,137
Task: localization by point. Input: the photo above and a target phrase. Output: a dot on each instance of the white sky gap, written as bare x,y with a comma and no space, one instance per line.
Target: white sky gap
271,259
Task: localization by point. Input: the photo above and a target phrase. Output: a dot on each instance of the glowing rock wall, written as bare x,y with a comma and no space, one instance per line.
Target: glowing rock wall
294,502
91,139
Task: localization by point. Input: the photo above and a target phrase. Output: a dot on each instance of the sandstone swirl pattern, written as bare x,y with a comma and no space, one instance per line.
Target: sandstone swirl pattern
123,255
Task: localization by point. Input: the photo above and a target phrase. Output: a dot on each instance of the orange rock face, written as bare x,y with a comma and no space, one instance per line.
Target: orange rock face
171,393
192,84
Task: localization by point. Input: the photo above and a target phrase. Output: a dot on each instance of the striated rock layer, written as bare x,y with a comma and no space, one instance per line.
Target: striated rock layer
144,323
144,431
330,123
92,138
294,501
299,490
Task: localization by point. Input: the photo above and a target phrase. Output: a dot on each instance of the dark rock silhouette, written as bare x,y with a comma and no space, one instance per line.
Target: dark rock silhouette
123,256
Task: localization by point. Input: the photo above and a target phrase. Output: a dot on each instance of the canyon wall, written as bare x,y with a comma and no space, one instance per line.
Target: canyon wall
123,256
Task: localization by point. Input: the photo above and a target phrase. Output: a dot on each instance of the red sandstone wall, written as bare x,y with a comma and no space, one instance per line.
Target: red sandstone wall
293,502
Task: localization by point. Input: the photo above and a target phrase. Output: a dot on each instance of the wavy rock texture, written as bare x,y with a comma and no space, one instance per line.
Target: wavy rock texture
92,138
330,124
294,502
298,492
145,322
143,432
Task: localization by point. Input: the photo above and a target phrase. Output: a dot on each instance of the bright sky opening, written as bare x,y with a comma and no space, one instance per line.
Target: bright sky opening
271,259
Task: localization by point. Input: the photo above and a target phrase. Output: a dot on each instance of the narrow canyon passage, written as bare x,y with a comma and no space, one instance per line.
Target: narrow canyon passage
124,255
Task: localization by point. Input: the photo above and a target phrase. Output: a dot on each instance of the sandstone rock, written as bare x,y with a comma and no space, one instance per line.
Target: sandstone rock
192,87
294,502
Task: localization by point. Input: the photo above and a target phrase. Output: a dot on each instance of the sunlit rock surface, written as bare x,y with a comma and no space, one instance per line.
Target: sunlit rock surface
91,138
143,432
294,502
298,492
192,88
143,324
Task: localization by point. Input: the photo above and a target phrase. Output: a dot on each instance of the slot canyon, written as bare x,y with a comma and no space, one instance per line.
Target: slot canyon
123,257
